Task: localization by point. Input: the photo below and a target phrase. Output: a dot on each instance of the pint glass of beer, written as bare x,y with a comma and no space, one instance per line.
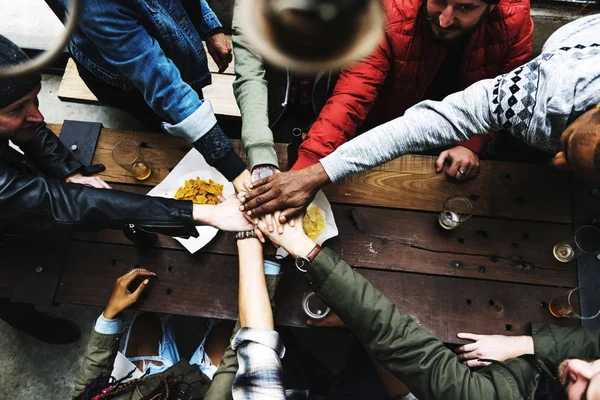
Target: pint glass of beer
128,155
568,305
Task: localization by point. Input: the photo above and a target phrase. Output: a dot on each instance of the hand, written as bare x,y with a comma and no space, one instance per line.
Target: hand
493,347
93,181
226,216
260,172
293,238
459,162
121,297
332,320
241,181
219,49
291,191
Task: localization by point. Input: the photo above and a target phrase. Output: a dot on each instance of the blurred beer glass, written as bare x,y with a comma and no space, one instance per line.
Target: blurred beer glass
128,155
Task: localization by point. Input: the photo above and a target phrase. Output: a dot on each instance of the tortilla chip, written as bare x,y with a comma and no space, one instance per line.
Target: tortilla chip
313,223
200,191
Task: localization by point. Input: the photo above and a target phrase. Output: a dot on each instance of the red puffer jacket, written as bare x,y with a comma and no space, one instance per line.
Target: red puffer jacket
407,61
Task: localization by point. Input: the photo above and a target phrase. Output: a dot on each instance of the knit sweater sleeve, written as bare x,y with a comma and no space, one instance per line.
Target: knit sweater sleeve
426,125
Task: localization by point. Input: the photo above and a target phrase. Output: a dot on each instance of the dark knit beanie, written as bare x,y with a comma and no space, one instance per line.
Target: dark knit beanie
12,89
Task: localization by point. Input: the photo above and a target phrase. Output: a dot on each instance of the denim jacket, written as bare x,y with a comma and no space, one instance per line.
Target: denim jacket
154,46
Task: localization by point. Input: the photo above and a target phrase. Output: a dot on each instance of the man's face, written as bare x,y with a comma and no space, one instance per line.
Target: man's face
452,19
581,379
21,116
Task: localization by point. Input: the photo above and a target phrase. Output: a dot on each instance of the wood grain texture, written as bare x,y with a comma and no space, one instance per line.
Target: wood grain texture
220,92
205,285
162,151
507,190
387,239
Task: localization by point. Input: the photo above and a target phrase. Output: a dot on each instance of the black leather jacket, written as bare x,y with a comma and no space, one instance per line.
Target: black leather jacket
34,194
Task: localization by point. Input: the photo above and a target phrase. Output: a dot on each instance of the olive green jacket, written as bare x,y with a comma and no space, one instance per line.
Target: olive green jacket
102,349
429,369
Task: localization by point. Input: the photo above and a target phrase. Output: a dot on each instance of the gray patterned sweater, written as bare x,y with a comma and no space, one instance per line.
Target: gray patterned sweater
534,102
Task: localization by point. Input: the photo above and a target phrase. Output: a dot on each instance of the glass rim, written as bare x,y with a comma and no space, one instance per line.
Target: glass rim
459,198
137,155
588,226
575,314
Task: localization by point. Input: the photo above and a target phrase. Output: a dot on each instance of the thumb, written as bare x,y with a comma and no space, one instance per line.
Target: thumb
138,292
439,163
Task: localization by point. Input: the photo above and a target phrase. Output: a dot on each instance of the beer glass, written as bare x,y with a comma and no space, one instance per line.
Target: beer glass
314,307
456,210
128,155
586,240
568,305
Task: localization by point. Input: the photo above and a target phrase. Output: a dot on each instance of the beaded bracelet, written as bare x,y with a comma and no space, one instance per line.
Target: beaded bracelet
245,235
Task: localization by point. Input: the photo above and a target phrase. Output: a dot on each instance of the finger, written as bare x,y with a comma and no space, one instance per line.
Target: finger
269,220
138,292
470,171
103,185
466,348
221,198
258,196
469,336
289,214
259,235
128,278
471,355
441,160
475,363
278,223
269,207
452,170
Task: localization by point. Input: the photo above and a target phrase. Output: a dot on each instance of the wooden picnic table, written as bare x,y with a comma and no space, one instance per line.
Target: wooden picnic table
493,274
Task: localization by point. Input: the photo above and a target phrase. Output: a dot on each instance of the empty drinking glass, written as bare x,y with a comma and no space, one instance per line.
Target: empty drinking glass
128,155
586,240
456,210
314,307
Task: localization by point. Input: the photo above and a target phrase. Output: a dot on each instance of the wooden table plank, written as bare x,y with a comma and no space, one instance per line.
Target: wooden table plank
204,285
386,239
220,92
507,190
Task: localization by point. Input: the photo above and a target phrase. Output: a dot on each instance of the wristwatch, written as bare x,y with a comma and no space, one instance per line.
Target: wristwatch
303,263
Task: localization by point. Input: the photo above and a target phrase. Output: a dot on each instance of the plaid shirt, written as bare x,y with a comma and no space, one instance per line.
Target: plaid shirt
259,354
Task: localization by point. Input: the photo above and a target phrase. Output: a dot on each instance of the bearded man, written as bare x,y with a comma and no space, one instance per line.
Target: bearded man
431,48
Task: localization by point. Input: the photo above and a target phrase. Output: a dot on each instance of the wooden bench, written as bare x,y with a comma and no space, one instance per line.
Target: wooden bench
220,92
494,274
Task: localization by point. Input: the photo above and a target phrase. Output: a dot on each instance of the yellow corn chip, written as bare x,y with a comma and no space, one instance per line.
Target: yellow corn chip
313,223
200,191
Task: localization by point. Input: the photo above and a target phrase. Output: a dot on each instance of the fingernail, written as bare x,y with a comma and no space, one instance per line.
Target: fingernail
280,230
251,186
255,221
241,208
242,199
146,281
249,212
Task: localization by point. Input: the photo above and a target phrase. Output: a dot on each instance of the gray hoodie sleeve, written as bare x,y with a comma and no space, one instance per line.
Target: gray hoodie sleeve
426,125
